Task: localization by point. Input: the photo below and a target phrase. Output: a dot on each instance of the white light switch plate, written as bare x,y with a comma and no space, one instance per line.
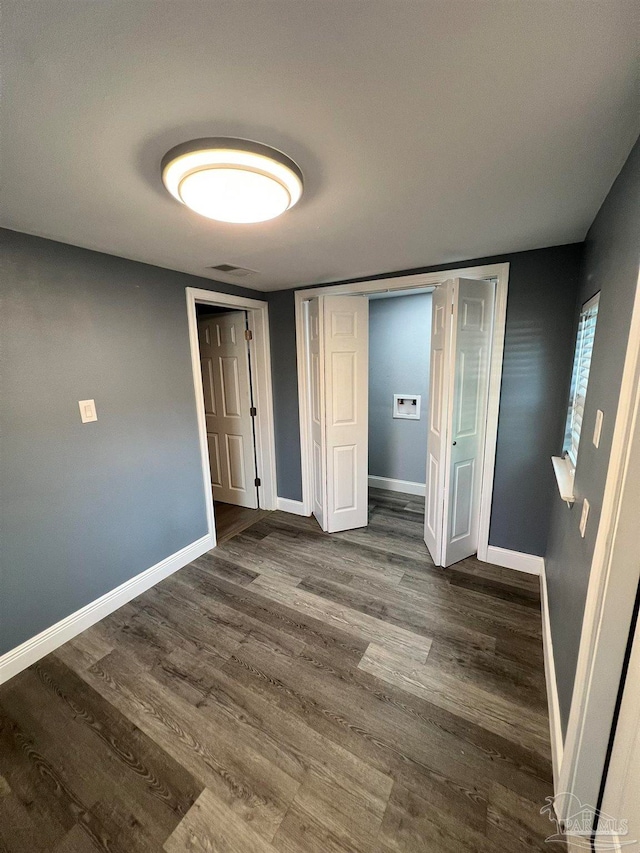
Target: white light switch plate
597,432
584,517
88,411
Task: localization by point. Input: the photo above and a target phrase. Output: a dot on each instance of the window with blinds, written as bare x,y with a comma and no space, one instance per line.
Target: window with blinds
580,376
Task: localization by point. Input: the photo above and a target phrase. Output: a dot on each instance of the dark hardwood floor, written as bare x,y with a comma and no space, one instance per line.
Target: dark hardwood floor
291,692
231,520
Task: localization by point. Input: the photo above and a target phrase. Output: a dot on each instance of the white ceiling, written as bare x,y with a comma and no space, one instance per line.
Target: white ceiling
428,131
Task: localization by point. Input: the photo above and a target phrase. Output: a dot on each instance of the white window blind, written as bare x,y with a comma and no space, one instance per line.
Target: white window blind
580,376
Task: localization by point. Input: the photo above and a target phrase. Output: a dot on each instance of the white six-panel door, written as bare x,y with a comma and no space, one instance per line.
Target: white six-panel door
346,365
462,323
471,347
224,360
339,363
437,427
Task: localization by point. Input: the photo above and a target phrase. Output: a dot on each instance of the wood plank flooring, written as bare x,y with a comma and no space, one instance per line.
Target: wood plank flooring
231,520
291,692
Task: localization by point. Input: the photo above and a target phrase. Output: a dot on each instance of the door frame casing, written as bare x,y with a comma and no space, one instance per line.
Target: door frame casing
614,576
260,354
497,272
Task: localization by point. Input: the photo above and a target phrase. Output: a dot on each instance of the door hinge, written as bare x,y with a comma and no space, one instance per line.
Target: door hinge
248,335
257,482
253,411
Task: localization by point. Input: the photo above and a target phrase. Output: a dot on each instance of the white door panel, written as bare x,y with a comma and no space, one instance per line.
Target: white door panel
338,329
213,441
346,358
206,365
345,392
227,398
461,343
345,470
461,503
236,474
470,349
230,383
316,389
441,307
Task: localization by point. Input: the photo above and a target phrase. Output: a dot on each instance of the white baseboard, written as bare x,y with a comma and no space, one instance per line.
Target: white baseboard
555,725
294,507
390,485
48,640
515,560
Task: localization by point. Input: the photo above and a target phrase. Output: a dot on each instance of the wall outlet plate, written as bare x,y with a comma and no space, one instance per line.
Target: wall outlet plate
584,517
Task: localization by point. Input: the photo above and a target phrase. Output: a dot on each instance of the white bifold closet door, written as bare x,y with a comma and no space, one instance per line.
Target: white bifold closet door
338,328
316,388
462,323
224,360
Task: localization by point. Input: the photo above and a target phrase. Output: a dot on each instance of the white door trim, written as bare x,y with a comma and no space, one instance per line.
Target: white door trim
260,352
553,701
499,272
613,582
620,795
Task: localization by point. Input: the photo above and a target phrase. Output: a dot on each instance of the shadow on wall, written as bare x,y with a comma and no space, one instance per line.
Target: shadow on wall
399,349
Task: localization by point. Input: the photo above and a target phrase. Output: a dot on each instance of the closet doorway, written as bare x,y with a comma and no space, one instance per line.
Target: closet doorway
460,420
225,365
229,339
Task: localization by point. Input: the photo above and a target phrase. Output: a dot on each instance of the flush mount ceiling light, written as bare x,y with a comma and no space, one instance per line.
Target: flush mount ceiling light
232,180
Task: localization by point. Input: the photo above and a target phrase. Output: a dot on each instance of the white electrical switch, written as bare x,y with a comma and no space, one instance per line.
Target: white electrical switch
584,517
88,411
597,432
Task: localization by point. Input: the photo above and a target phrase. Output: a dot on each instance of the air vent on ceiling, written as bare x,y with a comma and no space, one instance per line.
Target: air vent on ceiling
231,269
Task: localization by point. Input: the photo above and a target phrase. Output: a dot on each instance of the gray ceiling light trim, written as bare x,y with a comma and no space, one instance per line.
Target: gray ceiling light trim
207,142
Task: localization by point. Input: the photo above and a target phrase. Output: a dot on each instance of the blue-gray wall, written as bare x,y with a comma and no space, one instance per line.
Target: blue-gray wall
83,508
611,265
399,351
286,413
543,286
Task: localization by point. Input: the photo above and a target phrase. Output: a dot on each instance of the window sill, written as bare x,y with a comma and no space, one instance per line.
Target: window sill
565,474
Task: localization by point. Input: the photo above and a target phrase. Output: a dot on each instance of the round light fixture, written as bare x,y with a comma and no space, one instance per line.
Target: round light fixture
232,180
